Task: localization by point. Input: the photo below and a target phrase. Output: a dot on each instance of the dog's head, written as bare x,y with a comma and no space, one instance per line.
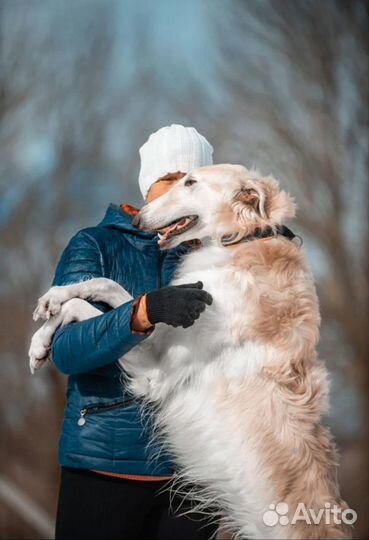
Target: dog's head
220,201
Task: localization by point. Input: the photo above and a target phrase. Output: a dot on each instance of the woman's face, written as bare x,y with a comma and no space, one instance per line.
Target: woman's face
162,185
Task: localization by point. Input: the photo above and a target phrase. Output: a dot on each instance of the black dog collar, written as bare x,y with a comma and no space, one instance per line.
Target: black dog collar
265,233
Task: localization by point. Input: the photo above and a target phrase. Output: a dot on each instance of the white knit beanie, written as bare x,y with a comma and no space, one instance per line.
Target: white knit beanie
171,149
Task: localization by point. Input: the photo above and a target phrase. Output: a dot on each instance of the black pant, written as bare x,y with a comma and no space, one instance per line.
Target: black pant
94,506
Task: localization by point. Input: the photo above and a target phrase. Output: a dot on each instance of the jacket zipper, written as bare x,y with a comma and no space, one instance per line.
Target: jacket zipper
101,408
93,409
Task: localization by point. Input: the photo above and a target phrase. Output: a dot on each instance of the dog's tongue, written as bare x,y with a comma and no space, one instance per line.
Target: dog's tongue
175,227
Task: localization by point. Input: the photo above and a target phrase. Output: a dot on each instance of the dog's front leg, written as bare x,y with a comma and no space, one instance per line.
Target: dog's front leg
72,311
96,290
104,290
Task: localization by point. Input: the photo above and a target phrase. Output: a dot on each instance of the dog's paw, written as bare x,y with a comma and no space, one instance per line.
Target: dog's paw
35,364
50,303
39,352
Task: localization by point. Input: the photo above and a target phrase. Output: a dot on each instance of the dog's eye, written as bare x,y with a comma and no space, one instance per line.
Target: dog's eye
190,182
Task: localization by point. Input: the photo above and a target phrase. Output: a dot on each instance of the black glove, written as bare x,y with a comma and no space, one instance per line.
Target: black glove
177,305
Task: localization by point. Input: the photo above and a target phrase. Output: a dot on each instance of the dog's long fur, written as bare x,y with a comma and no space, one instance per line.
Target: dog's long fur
241,393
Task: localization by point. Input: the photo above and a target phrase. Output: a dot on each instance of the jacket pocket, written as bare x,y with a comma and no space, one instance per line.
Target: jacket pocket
103,407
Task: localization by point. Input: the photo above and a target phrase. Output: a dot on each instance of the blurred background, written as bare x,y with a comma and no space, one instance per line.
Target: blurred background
277,84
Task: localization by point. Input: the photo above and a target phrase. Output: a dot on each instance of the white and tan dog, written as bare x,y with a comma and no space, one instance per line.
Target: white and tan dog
240,394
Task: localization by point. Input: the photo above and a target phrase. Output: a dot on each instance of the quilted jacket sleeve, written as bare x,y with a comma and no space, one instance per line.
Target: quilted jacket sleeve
88,345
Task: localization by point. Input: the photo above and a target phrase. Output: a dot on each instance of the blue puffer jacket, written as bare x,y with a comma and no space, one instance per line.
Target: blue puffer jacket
102,427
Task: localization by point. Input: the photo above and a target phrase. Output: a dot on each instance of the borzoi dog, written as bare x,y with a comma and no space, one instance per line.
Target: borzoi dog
240,394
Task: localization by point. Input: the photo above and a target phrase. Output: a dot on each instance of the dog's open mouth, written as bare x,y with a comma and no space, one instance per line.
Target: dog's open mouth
176,227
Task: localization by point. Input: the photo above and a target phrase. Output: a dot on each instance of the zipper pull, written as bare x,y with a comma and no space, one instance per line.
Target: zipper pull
82,420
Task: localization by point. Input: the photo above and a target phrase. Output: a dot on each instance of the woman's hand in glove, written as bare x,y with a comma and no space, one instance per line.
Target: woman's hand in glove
177,305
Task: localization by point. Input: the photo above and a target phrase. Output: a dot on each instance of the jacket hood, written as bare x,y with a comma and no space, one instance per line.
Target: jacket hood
117,218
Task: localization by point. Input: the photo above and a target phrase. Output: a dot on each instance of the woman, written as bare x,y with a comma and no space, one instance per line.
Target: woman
111,487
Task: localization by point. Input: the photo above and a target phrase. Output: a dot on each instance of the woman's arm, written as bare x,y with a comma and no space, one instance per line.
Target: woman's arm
85,346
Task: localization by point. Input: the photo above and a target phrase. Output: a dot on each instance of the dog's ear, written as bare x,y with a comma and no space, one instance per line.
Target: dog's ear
252,199
279,205
261,200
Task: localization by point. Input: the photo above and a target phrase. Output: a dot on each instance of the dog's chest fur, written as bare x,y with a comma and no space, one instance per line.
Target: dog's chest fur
212,346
